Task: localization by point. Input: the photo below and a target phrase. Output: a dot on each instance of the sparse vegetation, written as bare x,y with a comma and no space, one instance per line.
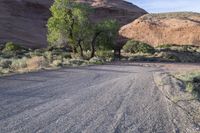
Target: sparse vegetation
191,81
162,53
18,64
183,15
32,60
5,63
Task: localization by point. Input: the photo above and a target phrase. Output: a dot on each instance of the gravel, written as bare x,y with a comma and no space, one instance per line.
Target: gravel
97,99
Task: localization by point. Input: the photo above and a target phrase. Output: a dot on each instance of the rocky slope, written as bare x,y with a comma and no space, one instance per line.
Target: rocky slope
168,28
24,21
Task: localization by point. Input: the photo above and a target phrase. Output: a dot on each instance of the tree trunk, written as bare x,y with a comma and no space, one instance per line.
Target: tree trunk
80,46
74,50
71,35
93,43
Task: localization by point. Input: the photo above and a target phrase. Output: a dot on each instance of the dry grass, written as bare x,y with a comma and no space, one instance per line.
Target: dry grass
36,63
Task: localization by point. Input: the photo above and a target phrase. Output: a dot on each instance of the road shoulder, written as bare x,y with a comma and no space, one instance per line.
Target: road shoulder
184,109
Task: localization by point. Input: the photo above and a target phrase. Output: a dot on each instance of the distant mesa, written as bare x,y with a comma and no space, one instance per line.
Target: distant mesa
182,28
24,21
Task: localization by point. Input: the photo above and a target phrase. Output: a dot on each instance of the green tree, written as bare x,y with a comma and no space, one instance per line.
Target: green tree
82,26
104,35
68,23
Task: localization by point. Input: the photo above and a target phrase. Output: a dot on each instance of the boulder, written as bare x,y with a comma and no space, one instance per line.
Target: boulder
182,28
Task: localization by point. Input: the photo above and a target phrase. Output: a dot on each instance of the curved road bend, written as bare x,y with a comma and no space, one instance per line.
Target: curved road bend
95,99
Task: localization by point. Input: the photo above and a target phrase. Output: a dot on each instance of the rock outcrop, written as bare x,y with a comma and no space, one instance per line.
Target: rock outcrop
24,21
167,28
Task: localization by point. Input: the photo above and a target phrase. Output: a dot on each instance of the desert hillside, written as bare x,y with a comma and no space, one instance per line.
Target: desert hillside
182,28
24,21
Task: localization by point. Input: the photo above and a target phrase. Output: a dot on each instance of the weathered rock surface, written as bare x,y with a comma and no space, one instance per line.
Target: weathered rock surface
167,28
24,21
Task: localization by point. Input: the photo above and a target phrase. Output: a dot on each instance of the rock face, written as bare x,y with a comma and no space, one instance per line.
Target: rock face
168,28
24,21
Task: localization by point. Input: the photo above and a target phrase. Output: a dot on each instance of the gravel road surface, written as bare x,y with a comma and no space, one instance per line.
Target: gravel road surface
95,99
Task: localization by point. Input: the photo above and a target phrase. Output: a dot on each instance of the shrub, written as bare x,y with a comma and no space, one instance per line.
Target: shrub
192,82
169,56
75,62
196,82
198,50
8,55
138,47
66,55
96,60
49,56
5,63
19,63
105,54
4,70
37,52
178,48
66,61
12,50
193,86
57,63
1,47
11,47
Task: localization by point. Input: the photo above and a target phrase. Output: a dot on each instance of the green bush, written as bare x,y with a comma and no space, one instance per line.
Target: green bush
11,50
138,47
11,47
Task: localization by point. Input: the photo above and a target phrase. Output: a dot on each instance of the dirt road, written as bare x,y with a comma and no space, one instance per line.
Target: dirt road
95,99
